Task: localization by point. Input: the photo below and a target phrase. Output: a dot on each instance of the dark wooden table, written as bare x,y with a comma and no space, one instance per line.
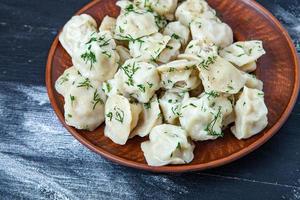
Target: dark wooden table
39,159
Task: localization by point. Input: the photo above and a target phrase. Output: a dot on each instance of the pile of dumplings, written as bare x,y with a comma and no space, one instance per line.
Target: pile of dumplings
162,68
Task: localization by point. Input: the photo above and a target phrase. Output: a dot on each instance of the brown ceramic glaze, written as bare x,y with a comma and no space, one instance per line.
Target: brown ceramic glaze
278,69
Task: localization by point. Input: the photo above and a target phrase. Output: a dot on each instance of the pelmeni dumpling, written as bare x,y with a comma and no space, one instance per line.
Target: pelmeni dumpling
140,80
242,53
121,117
179,75
178,32
168,144
171,51
66,80
202,49
123,53
113,86
76,32
134,23
97,59
251,114
212,30
151,116
217,74
170,104
249,67
164,8
149,47
202,117
84,104
108,24
253,82
192,9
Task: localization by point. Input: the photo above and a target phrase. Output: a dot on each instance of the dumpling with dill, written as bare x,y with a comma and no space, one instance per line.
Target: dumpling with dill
97,59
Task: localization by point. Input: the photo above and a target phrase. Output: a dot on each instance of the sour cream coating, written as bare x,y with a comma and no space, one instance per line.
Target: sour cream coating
97,59
251,114
242,53
76,32
84,104
168,144
189,10
121,117
151,116
139,80
202,117
212,30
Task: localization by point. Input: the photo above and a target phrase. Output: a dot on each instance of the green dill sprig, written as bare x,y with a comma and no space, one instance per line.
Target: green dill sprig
86,83
210,127
130,70
90,57
72,98
119,114
64,79
209,61
96,99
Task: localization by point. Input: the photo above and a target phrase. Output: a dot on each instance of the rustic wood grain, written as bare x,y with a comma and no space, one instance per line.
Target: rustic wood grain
39,159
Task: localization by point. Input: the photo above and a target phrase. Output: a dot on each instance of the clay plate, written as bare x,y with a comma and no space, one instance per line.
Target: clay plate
279,70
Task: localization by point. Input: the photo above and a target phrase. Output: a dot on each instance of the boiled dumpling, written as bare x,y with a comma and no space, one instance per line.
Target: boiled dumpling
202,117
168,144
203,49
121,117
97,59
178,32
113,86
192,9
66,80
171,51
242,53
108,24
253,82
219,75
123,53
170,104
140,80
212,30
164,8
249,67
76,32
84,104
149,47
134,23
251,114
150,117
179,75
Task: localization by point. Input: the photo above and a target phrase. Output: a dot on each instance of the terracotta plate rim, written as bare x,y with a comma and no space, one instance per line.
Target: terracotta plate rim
181,168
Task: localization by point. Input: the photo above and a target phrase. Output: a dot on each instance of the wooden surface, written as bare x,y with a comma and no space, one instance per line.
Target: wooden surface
39,159
278,69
